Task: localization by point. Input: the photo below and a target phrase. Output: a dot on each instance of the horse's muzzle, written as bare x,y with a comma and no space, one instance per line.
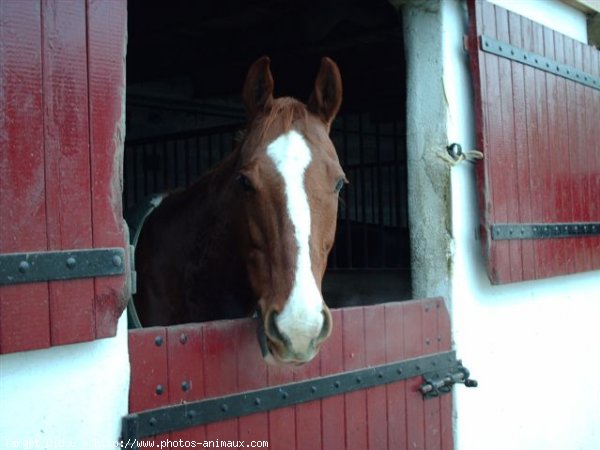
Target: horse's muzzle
277,349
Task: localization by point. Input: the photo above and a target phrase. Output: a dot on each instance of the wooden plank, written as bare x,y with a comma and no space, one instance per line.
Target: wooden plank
478,70
67,163
432,406
413,347
220,372
576,154
535,172
542,173
333,427
521,155
24,310
592,138
553,197
444,343
395,392
506,196
354,358
282,422
497,156
252,374
107,27
308,415
561,160
375,348
149,381
185,344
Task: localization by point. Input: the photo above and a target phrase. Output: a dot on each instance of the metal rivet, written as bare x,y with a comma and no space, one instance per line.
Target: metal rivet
427,309
284,395
117,261
159,389
358,380
417,368
380,374
427,341
152,422
313,389
23,266
71,262
158,340
183,338
337,384
191,414
257,401
224,407
439,339
185,386
399,371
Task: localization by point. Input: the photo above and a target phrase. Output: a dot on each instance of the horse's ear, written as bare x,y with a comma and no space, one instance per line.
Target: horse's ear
326,97
258,87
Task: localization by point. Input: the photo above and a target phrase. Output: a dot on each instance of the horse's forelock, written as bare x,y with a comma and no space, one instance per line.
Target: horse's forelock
284,114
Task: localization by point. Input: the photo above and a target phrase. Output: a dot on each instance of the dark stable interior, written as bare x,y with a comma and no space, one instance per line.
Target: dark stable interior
186,64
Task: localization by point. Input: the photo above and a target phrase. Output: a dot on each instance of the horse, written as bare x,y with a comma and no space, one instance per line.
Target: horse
255,232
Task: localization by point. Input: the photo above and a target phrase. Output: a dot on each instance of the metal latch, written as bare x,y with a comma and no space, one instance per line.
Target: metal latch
436,384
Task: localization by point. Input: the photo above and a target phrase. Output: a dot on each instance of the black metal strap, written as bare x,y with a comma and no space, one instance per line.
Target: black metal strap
177,417
510,231
506,50
61,265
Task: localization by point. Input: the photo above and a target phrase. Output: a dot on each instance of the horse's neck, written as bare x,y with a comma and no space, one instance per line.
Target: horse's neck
215,266
213,204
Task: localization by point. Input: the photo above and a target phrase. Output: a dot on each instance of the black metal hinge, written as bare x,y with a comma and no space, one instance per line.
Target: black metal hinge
510,231
506,50
441,382
177,417
33,267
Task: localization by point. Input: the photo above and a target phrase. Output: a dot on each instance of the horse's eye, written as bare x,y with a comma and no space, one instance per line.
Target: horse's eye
339,185
245,183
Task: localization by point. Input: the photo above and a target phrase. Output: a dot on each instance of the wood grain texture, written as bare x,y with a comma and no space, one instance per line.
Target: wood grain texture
537,136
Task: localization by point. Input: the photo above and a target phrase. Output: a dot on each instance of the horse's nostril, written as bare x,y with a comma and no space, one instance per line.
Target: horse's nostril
271,328
327,325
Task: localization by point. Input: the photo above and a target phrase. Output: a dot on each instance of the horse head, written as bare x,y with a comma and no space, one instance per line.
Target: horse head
289,178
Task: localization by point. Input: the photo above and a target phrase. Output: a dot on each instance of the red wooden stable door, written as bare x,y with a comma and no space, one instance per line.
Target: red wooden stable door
537,103
62,238
208,382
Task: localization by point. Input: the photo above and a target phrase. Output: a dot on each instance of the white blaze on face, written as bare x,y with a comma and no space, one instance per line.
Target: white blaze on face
301,320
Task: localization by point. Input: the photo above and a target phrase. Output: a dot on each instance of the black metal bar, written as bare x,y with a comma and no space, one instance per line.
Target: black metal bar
347,191
363,193
165,160
185,134
380,186
16,268
510,231
504,49
175,163
397,175
198,156
180,416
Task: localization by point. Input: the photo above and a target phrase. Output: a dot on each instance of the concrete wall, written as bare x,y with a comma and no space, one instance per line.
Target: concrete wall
72,396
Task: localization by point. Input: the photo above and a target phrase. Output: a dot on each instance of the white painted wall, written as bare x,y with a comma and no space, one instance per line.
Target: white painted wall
72,396
532,346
